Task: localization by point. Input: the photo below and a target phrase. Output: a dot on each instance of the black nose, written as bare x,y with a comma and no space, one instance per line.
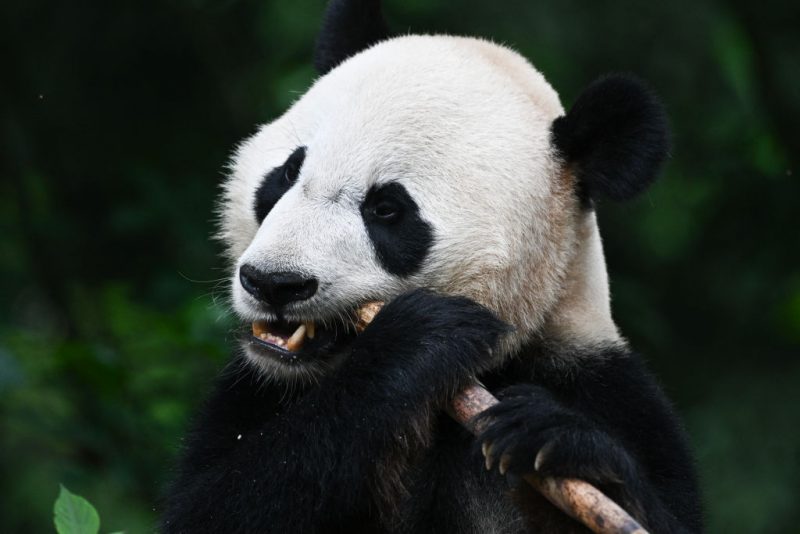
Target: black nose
276,289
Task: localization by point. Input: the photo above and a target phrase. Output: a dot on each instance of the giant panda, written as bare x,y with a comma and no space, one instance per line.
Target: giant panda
442,176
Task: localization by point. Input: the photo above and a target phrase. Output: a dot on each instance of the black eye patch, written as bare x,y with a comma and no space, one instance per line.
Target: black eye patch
277,182
400,236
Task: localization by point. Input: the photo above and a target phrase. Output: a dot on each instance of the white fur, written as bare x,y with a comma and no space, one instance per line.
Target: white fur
464,125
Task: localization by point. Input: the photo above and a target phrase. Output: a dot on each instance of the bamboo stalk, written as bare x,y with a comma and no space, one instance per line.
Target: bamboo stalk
577,498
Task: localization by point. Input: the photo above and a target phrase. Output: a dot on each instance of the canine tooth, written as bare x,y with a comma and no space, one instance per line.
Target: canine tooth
259,328
296,341
310,329
263,335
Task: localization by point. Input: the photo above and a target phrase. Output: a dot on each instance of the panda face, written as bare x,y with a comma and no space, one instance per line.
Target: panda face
422,162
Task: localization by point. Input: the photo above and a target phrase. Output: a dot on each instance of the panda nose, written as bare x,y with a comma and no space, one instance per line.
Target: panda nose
277,288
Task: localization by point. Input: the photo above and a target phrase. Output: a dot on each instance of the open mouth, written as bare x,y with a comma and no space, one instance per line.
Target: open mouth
300,341
292,342
276,334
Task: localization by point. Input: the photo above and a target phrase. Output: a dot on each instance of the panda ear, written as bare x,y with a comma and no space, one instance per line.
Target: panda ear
615,136
348,27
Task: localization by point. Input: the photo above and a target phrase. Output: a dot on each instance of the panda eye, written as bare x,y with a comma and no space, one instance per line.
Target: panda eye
400,236
277,182
387,205
386,210
292,166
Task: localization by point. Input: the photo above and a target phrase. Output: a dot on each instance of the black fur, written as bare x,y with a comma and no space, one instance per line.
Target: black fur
369,449
401,237
348,27
615,136
327,459
277,182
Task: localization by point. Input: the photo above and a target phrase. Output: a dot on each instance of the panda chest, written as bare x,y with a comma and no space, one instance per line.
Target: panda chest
445,488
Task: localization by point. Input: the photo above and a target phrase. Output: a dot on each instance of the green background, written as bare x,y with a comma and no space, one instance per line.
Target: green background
117,121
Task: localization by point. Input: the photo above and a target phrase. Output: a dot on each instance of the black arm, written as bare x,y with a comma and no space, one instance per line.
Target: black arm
257,464
600,417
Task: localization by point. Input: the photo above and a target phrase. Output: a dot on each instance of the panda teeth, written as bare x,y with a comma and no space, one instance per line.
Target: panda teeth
275,340
261,330
296,340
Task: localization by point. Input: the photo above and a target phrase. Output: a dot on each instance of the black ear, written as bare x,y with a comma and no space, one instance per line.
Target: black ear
616,137
348,27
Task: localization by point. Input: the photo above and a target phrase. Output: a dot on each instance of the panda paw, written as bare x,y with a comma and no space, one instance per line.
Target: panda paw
427,345
529,431
433,330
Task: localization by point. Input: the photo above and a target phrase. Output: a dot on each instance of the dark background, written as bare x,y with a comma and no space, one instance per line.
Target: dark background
117,121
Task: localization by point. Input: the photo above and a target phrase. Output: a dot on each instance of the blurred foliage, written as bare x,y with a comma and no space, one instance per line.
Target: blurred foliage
117,120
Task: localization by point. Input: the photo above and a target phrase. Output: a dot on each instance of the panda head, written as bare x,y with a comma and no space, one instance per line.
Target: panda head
429,161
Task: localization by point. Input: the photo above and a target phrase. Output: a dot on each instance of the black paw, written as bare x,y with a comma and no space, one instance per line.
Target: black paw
529,431
427,343
457,329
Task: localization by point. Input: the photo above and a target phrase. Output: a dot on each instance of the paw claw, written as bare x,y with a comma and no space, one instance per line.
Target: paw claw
505,460
489,458
541,456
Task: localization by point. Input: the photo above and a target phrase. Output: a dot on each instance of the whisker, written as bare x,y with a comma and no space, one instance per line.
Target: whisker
211,281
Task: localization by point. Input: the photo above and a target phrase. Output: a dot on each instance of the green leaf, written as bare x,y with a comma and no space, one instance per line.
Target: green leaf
74,515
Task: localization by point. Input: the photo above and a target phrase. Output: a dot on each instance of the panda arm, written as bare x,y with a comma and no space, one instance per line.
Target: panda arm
318,462
608,422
